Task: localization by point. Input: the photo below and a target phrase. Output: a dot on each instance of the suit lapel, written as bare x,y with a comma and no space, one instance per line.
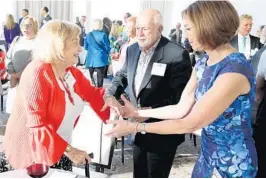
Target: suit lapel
134,69
235,42
156,57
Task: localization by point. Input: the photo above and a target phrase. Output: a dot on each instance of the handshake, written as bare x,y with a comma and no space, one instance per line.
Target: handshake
126,111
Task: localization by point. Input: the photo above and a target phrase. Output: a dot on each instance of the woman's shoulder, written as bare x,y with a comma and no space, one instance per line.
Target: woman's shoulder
237,60
75,71
236,63
38,68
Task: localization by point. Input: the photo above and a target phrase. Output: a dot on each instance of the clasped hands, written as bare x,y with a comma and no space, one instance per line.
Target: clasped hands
122,127
126,111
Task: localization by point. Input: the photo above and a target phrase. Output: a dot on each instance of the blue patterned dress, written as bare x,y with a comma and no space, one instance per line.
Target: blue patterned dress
227,143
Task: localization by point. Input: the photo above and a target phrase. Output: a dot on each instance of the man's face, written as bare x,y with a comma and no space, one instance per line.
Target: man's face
147,32
43,12
83,19
125,18
24,13
245,26
178,26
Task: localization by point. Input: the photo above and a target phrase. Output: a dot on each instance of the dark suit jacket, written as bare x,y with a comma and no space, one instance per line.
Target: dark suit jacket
255,42
256,58
155,91
20,20
46,19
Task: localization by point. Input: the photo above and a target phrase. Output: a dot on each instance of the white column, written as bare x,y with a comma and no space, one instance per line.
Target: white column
88,15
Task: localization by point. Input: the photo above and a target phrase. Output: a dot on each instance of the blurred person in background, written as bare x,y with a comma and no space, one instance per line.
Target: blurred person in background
118,58
98,50
259,124
45,15
244,42
24,13
11,30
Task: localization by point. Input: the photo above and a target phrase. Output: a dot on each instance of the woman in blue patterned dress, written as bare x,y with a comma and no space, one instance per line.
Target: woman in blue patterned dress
217,98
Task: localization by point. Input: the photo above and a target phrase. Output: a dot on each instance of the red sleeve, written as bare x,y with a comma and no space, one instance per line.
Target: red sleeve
90,94
47,145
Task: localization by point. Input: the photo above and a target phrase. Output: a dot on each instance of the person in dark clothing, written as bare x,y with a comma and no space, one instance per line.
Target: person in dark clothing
82,34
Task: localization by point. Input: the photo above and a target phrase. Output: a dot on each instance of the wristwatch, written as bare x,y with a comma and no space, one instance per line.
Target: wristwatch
143,130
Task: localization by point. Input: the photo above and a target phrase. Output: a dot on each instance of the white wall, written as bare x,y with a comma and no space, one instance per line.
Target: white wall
256,8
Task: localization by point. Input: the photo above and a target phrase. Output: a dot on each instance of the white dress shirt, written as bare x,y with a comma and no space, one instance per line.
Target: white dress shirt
143,63
247,50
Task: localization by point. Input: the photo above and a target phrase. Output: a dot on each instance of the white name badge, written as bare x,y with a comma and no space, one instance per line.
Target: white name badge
158,69
70,79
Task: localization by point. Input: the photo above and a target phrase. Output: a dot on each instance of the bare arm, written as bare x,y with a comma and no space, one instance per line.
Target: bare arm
175,111
203,112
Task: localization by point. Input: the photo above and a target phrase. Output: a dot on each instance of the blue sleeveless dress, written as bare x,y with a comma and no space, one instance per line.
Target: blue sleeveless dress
227,143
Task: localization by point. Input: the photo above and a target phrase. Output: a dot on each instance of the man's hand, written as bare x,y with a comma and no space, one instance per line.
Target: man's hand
128,109
78,156
113,104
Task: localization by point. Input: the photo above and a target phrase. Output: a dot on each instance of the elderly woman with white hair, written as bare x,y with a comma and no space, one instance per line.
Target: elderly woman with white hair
50,97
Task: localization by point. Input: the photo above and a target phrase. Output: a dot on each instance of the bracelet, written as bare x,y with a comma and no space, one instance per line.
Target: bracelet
106,97
136,129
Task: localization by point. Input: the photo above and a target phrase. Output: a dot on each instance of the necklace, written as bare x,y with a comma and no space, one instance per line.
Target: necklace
66,87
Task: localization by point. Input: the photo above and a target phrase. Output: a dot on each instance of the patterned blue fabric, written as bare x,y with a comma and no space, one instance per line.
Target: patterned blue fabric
227,143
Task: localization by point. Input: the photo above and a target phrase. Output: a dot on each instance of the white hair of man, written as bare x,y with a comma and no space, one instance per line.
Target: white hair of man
158,19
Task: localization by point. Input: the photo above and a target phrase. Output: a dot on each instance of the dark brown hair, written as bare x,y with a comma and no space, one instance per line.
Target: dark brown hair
215,22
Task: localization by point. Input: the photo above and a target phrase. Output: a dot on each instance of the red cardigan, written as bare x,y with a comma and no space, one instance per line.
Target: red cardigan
38,112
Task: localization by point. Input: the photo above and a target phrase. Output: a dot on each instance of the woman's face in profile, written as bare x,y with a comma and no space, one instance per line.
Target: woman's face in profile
72,51
191,34
131,29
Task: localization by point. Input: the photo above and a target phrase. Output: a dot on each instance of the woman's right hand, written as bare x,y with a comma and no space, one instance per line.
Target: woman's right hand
78,156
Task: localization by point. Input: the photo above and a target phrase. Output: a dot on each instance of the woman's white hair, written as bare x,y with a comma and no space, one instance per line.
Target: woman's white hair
97,24
51,40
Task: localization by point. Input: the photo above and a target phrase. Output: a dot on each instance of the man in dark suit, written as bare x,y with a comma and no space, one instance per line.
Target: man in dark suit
155,73
176,34
24,13
45,16
243,41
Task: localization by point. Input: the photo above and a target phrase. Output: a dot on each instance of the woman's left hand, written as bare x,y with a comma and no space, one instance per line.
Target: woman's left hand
121,128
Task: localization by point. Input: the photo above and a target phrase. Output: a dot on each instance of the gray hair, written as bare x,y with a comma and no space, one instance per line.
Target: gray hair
158,18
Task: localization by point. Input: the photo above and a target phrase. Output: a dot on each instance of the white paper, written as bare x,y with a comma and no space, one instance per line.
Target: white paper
158,69
87,136
57,174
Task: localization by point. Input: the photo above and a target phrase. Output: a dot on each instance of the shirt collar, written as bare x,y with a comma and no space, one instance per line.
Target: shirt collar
239,35
152,48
